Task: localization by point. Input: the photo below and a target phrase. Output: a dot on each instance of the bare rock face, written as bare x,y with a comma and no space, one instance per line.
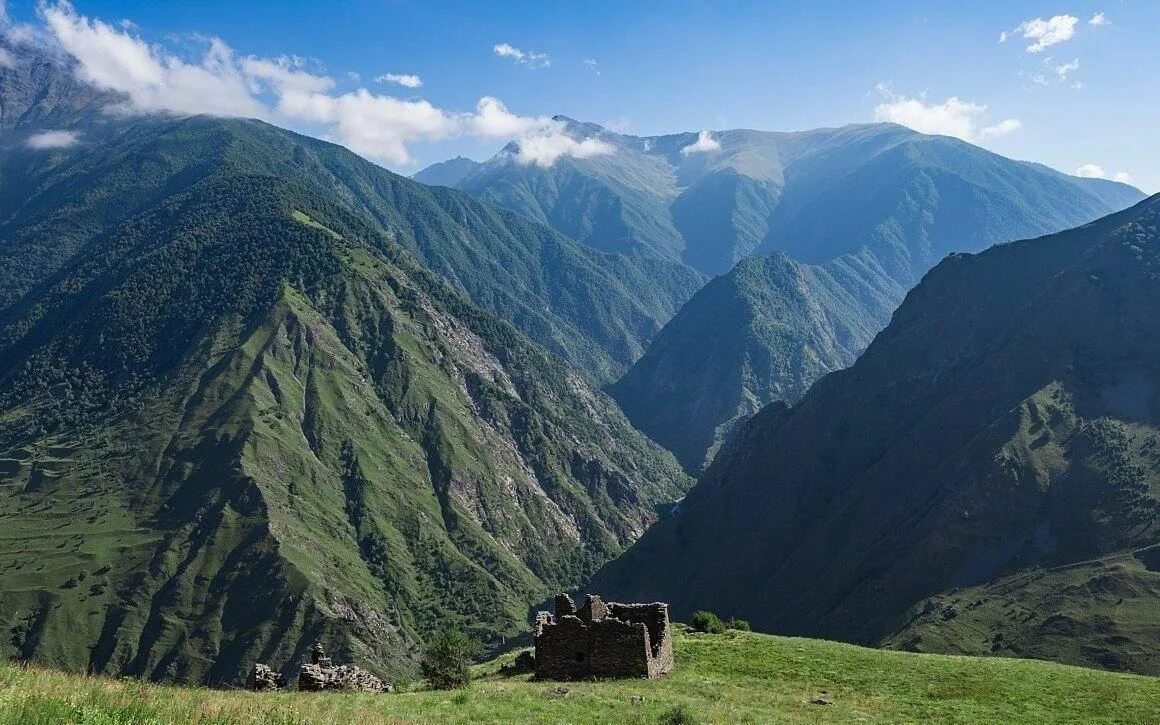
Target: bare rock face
321,674
265,679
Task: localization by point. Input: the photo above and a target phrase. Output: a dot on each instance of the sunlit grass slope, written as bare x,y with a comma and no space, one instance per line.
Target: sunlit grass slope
731,678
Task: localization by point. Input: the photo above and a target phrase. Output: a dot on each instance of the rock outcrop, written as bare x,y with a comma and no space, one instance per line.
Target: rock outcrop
322,674
265,679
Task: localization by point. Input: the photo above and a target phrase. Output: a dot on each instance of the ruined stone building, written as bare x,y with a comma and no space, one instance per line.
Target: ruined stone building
317,675
603,640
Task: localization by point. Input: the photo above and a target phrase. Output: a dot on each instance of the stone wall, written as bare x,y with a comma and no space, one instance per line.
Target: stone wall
619,649
562,651
602,640
655,619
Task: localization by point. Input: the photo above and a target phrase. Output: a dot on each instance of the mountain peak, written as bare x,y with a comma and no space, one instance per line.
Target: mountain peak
446,173
1006,421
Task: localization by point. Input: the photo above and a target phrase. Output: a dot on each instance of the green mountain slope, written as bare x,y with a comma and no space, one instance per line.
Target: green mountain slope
1008,418
765,331
598,310
907,198
446,173
865,209
236,416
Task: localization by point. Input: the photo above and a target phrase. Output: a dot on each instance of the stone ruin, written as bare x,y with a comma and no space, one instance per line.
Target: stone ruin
265,679
603,640
318,675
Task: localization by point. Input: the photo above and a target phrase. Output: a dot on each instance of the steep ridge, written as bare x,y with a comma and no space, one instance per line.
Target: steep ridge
598,310
446,173
907,198
1008,418
765,331
37,96
237,417
861,211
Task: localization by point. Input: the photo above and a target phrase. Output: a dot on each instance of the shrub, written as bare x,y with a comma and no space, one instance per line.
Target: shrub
681,714
704,621
741,625
446,664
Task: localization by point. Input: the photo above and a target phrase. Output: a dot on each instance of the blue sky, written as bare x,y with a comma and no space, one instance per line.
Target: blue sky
658,67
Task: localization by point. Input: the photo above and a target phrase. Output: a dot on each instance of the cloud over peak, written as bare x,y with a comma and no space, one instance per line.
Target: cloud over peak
114,59
284,91
704,144
1095,171
539,140
953,117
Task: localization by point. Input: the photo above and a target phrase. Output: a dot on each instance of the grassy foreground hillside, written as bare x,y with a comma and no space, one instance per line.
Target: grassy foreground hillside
730,678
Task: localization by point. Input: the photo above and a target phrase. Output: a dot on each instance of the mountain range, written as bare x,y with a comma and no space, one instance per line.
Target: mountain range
257,392
855,216
985,478
252,396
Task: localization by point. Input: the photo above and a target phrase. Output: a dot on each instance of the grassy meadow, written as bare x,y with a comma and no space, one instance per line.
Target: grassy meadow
736,677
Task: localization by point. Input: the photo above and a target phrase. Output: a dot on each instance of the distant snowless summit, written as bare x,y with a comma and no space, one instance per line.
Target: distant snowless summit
817,236
709,199
447,173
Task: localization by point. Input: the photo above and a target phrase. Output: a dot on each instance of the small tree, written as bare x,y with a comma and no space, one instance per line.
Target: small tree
704,621
741,625
446,664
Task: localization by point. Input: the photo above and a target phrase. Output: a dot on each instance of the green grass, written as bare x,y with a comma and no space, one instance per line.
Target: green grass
736,677
303,218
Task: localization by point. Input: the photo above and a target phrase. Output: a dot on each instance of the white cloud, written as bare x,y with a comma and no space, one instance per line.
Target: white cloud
492,119
1003,37
1099,19
52,140
1004,127
407,80
154,81
283,75
1066,68
281,90
953,117
1094,171
378,127
545,149
1046,33
530,58
705,143
539,140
